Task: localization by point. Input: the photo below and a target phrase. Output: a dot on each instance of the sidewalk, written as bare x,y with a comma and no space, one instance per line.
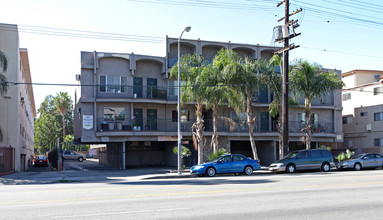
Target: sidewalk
78,176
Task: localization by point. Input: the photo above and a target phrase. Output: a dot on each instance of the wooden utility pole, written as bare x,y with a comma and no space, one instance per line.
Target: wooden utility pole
285,29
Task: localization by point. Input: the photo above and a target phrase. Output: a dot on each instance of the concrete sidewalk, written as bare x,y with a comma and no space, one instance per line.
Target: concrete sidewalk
78,176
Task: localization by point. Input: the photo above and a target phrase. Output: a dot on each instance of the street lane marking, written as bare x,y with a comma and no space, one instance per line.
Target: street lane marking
190,193
118,213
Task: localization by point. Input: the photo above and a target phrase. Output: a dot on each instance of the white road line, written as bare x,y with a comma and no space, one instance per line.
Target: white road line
118,213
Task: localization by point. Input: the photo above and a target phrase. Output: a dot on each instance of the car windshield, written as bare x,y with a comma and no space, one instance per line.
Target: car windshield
357,156
292,154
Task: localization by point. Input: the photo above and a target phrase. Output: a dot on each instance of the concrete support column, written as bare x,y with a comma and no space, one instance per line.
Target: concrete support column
123,156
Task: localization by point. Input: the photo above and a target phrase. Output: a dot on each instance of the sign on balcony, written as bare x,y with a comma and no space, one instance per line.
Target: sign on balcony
87,121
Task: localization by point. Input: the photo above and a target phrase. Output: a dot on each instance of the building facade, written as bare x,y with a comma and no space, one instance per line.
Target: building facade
17,111
133,109
363,110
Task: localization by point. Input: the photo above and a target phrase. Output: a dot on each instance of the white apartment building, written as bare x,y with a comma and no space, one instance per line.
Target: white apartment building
363,110
17,106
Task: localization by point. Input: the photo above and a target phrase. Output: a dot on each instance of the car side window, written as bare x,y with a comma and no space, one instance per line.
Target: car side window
226,159
315,154
371,156
378,156
303,155
325,153
238,158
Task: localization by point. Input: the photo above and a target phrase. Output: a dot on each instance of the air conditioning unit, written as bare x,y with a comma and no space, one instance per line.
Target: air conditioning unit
78,77
368,127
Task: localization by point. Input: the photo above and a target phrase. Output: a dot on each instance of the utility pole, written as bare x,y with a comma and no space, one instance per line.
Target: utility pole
283,33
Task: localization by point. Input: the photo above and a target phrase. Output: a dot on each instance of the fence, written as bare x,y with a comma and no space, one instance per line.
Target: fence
6,160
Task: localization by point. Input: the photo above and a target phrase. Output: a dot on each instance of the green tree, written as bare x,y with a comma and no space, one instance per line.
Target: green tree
243,74
214,96
193,90
311,82
47,130
63,103
3,68
48,126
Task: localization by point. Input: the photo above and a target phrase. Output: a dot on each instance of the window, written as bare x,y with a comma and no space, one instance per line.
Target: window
378,116
378,90
315,154
378,142
363,114
172,87
238,158
114,113
315,118
113,84
347,120
185,116
346,96
347,143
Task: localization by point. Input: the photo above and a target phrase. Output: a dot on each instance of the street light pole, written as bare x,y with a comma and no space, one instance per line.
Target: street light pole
187,29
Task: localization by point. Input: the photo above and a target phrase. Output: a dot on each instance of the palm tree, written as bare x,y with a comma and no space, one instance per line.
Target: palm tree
3,68
63,103
243,74
311,82
213,98
193,91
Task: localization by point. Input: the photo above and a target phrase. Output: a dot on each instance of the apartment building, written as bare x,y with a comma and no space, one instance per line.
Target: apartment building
17,106
363,110
133,109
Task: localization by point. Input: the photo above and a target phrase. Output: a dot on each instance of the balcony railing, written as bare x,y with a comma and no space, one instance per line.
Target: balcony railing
147,92
224,125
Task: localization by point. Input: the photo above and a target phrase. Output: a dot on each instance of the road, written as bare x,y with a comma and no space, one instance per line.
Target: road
317,195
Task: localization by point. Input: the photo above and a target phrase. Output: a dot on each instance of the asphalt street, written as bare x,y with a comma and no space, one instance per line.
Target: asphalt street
308,195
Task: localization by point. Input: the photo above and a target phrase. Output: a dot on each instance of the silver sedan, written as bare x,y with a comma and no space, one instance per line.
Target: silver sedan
357,162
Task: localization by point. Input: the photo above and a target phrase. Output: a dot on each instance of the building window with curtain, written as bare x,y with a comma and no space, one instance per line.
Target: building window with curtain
113,84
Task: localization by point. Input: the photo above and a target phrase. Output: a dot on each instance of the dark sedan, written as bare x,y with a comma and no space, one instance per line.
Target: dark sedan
40,160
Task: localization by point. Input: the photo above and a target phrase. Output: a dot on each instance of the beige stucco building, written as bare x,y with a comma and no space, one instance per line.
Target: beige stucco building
17,107
363,110
133,109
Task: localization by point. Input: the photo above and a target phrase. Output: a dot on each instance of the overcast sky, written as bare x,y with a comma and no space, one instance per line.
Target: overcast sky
345,35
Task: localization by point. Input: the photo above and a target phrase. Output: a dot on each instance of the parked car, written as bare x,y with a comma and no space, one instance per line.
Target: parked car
357,162
72,155
232,163
40,160
304,160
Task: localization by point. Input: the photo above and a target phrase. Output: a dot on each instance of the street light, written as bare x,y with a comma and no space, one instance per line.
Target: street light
187,29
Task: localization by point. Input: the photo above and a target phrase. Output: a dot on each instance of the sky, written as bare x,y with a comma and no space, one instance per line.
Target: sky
343,35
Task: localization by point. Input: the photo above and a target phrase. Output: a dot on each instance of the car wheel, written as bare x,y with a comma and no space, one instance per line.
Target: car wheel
325,167
357,167
80,159
248,170
210,172
290,168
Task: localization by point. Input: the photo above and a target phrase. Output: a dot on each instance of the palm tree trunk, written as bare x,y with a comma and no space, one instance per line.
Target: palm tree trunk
250,123
214,138
198,131
64,128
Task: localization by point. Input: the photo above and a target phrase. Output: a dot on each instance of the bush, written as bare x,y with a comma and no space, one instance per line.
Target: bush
220,152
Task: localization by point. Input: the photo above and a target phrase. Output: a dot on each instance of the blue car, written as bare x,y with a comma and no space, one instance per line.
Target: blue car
232,163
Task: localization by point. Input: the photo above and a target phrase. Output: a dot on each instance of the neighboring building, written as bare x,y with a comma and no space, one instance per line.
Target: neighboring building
133,110
17,106
363,110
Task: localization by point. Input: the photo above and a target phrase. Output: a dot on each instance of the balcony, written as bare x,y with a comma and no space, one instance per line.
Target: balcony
139,92
224,125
